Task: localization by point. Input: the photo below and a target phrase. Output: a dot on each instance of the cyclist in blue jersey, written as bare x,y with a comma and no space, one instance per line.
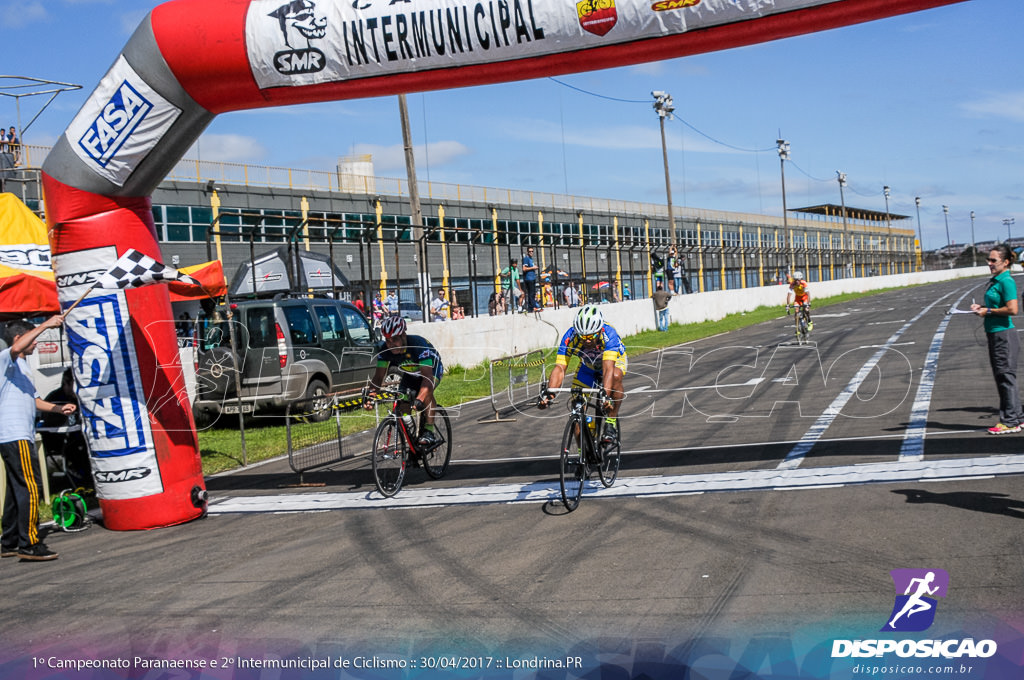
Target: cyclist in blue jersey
419,365
603,363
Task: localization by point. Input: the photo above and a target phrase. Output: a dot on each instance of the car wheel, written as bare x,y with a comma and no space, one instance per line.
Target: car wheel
318,404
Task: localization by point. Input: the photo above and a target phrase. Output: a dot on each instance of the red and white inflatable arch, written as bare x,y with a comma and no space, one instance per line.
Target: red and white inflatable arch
192,59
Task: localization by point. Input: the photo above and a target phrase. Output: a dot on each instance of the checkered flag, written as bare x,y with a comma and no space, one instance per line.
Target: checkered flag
134,270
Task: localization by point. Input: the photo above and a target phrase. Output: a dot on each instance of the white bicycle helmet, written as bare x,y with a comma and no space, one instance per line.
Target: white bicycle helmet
798,276
589,320
392,326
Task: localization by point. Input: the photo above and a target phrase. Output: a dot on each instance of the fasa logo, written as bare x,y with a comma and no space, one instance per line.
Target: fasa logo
117,120
916,593
298,21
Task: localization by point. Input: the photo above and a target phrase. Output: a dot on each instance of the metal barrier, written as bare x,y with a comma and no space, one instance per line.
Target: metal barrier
314,432
519,368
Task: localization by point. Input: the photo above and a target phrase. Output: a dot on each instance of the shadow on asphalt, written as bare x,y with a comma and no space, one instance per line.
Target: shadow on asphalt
978,501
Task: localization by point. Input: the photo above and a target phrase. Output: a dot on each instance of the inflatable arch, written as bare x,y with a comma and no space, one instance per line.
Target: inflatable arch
190,60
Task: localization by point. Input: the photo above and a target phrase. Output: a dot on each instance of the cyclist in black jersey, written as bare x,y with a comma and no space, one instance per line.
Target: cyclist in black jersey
420,367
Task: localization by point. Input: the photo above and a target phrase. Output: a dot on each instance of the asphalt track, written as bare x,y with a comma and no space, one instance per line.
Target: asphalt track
766,491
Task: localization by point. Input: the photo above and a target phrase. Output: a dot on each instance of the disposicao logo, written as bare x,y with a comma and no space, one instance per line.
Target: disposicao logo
914,609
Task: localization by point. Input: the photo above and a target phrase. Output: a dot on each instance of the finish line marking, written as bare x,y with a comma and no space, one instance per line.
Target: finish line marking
635,487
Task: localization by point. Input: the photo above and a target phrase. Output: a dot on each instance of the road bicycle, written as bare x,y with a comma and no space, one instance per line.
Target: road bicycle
395,444
582,448
802,321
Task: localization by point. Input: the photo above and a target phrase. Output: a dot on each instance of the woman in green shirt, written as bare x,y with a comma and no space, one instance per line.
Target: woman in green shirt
1003,342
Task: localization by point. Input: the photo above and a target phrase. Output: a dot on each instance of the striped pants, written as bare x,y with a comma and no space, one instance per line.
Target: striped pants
21,504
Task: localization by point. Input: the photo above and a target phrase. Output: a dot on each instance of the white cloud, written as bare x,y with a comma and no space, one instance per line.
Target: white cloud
21,14
997,105
227,149
620,137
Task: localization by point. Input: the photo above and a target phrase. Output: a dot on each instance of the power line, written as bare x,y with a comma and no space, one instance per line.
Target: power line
645,101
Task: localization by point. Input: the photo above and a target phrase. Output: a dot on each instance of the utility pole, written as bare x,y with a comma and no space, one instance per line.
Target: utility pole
663,105
416,210
920,236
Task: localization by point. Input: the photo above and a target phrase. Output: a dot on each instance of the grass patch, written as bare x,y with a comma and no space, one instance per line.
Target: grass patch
220,446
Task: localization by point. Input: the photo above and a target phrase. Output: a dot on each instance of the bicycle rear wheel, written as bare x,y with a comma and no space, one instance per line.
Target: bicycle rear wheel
388,457
573,471
435,462
611,456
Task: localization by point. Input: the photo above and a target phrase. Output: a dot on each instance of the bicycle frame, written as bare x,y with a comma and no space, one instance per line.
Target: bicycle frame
394,413
801,319
581,447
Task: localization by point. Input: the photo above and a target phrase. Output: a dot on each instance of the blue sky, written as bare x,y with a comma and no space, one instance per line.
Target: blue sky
931,104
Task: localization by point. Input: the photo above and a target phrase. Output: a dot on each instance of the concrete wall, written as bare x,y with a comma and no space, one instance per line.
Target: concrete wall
468,342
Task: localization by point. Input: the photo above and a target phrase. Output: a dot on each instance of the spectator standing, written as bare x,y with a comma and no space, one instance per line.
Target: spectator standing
530,280
392,303
671,262
19,402
510,283
661,298
1003,341
439,306
3,140
657,268
13,145
571,295
378,307
358,303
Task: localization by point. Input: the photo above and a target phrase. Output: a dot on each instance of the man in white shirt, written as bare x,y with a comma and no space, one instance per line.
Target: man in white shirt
19,402
439,306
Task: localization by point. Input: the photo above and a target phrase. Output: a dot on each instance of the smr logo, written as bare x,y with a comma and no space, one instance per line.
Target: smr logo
914,609
131,474
298,21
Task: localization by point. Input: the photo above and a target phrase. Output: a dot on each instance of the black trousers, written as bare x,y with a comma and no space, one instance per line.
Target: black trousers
21,505
531,294
1003,350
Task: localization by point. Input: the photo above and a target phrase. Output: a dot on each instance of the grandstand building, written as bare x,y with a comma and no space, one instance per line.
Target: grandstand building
210,210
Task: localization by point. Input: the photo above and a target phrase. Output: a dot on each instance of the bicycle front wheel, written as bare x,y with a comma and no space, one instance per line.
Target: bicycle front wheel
611,456
388,457
573,465
435,461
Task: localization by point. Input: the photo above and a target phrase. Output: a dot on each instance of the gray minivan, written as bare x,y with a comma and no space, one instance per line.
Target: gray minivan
288,349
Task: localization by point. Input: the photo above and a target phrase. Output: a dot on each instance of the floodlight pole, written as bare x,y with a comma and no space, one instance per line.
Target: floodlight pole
945,217
974,244
663,105
841,176
888,224
920,236
783,148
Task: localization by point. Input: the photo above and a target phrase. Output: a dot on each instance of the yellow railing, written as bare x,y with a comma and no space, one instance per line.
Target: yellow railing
195,170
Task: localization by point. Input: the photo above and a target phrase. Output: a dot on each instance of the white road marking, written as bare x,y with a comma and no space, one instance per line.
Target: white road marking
913,436
634,487
825,420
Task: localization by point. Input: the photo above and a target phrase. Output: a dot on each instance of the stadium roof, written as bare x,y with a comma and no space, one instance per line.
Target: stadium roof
854,213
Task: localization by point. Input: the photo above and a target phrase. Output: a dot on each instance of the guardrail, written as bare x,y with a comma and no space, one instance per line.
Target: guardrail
314,434
519,369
